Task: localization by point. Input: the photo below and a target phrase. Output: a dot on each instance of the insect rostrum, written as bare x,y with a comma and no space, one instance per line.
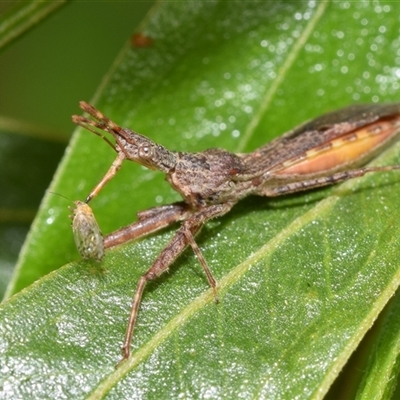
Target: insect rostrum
324,151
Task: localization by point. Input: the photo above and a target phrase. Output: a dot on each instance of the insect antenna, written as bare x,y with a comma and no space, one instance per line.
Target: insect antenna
61,195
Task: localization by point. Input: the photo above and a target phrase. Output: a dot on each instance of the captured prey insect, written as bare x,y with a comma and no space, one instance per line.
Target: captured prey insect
88,238
324,151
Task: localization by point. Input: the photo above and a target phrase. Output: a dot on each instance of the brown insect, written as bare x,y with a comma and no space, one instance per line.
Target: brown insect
88,238
325,151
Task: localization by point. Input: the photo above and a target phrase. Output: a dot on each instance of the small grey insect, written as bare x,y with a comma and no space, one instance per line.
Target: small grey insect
88,237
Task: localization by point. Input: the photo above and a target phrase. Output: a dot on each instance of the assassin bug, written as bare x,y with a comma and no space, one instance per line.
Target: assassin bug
324,151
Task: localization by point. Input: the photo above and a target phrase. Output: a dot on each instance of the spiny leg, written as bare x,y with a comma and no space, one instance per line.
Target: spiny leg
170,253
149,221
173,249
211,280
100,122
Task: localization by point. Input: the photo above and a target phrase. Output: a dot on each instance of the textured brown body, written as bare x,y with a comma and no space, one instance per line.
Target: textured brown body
324,151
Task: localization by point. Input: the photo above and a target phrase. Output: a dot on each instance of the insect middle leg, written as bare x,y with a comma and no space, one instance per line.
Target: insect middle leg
182,238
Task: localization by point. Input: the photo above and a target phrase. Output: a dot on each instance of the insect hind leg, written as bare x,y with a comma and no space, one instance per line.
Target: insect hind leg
307,184
183,237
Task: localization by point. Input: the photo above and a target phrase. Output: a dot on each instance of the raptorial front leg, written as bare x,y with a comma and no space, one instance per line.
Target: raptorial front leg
149,221
182,238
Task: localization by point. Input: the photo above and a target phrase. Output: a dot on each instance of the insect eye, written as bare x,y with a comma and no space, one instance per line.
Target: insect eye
145,152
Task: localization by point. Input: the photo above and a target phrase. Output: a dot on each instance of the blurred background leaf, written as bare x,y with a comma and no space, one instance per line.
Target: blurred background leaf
17,17
43,75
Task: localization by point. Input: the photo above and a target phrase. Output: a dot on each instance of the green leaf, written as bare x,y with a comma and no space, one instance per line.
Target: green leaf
301,278
380,376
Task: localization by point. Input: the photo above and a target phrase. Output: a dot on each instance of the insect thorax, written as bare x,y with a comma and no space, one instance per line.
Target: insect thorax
205,178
